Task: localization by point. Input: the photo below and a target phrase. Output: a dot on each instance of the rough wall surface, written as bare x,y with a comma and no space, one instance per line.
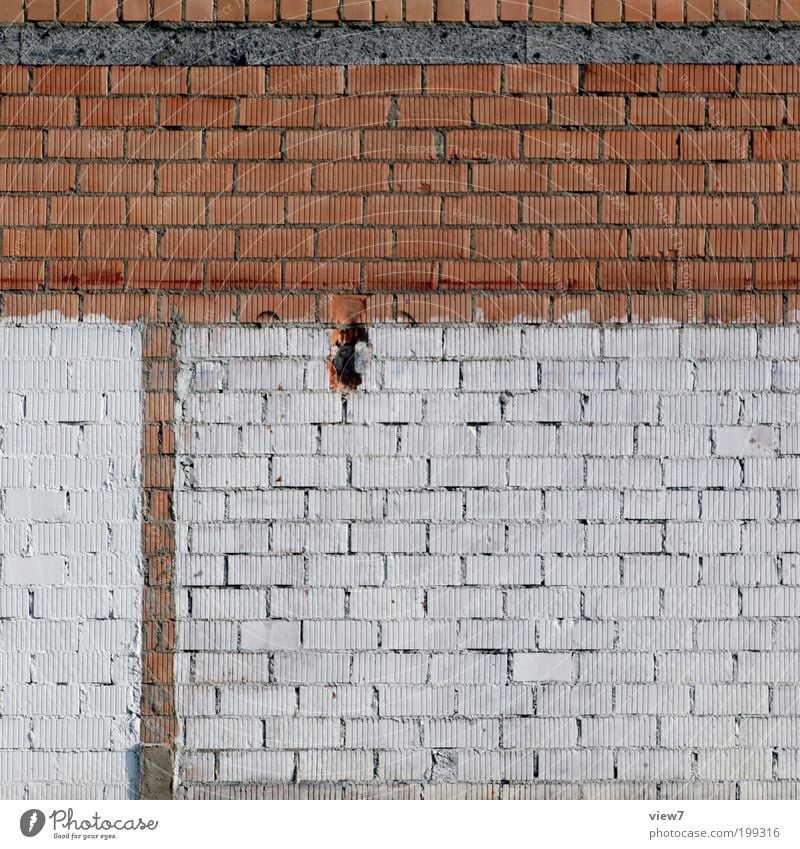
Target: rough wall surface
554,560
70,569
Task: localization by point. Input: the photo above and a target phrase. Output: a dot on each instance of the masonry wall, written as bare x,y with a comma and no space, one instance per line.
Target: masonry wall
70,565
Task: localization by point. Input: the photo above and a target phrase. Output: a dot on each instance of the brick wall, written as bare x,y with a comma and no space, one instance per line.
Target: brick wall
70,565
392,11
562,178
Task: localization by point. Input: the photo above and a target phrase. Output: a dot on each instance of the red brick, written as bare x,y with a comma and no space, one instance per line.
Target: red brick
144,80
85,144
246,210
196,112
277,112
544,79
116,179
581,209
244,275
310,79
196,244
22,275
627,79
53,177
353,111
168,211
698,79
632,145
319,274
771,79
481,275
511,243
40,244
429,177
667,242
325,145
277,177
384,79
195,178
668,111
481,210
23,210
483,144
667,178
432,242
347,242
745,112
14,79
510,110
118,243
558,276
743,243
165,144
403,210
779,275
433,112
324,209
709,145
243,144
511,177
399,144
743,308
720,210
21,144
276,244
641,209
780,209
90,210
462,79
356,177
745,177
117,111
648,275
560,144
776,144
588,243
38,111
593,110
219,81
587,177
58,79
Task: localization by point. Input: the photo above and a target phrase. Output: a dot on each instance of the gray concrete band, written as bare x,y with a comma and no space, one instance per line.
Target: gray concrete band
225,44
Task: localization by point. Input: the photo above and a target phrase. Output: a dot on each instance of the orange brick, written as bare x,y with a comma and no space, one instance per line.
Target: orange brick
167,10
324,209
38,111
44,10
144,80
244,275
168,212
166,144
438,308
789,10
780,145
196,244
588,177
54,177
501,178
324,10
116,179
669,11
792,244
668,111
632,145
25,211
452,10
117,112
77,79
277,112
514,111
276,243
779,275
667,242
587,243
433,112
781,209
480,275
197,112
482,10
743,308
159,274
666,178
353,111
349,242
588,110
387,10
745,242
21,144
219,81
559,210
356,10
11,11
246,210
462,79
273,177
72,11
745,112
293,10
483,144
511,243
419,10
481,210
511,10
793,180
322,144
403,210
40,243
85,144
646,209
430,177
399,144
710,145
257,307
243,144
698,79
725,210
261,10
198,10
719,276
356,177
78,210
699,11
731,10
195,178
135,10
541,79
577,11
116,243
546,11
560,144
627,79
22,275
638,11
432,242
311,79
234,10
17,305
384,79
745,177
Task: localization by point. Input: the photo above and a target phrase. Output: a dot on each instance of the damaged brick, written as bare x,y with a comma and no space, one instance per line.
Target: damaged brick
348,347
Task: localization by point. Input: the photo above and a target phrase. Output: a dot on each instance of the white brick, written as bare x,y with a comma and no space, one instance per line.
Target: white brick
543,666
40,570
266,635
545,406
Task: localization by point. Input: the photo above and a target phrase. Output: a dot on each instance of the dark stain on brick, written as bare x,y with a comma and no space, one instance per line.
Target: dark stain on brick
347,342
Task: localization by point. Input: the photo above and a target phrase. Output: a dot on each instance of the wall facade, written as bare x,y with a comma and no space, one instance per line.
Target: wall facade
70,568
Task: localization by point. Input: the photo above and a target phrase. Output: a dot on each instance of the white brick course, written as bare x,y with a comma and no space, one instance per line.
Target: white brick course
560,556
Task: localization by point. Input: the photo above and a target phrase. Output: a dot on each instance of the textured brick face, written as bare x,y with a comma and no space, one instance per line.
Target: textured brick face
70,570
560,557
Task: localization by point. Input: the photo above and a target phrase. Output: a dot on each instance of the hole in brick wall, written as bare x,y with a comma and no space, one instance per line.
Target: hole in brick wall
349,349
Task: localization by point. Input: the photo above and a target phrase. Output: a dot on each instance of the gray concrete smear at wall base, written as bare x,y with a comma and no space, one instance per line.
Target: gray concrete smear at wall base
221,44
